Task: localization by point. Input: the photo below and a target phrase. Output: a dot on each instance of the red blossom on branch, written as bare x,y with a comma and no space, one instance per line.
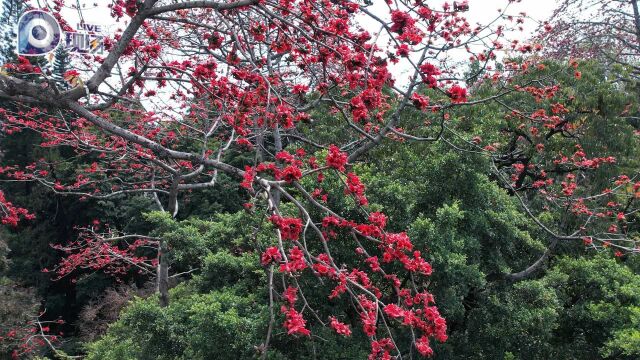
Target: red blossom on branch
336,158
339,327
10,214
290,228
457,94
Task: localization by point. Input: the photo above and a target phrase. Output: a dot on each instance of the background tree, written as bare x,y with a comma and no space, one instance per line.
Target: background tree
604,30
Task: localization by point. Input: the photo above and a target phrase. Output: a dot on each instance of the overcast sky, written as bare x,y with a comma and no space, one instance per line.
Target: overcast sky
480,10
484,10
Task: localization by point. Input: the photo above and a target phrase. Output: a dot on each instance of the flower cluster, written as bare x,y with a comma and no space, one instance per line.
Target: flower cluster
355,187
10,214
95,251
295,261
290,228
270,255
294,322
336,158
339,327
457,94
429,73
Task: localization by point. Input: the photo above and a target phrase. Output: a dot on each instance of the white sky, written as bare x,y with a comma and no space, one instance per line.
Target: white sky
484,10
96,12
480,10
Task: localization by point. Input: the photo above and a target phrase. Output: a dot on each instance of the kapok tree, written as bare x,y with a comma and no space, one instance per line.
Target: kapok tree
604,30
563,152
188,86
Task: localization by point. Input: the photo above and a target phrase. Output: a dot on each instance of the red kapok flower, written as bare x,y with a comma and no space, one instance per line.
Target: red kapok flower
290,295
290,228
420,101
294,322
339,327
336,158
394,311
422,345
271,254
291,173
379,219
457,94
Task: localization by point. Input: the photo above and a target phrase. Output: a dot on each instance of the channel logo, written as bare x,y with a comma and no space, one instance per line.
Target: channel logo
86,40
39,33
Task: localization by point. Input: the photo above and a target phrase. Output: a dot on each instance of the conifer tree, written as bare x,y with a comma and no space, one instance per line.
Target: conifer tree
11,10
60,65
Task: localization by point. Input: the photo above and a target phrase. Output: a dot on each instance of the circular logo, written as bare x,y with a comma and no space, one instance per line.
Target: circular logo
38,33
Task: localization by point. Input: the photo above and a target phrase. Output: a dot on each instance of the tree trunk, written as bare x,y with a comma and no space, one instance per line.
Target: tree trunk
163,274
636,23
537,265
163,251
636,19
277,142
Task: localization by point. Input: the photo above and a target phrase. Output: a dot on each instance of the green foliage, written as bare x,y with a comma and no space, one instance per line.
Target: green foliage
600,298
583,308
221,313
517,320
217,325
